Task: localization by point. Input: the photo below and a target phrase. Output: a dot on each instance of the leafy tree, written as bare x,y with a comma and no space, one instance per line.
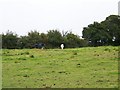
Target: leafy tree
9,40
95,34
23,42
34,37
73,41
54,38
28,41
112,27
105,33
44,38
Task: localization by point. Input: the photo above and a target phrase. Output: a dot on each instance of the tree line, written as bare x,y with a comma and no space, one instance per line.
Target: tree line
104,33
52,39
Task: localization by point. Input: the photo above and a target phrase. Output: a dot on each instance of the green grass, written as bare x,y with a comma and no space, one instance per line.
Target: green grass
90,67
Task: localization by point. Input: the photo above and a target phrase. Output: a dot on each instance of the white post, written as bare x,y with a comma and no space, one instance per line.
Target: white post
62,46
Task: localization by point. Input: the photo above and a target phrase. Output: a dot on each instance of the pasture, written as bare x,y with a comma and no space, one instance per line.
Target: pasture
89,67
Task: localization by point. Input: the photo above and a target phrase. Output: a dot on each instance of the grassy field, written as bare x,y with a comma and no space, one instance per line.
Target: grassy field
90,67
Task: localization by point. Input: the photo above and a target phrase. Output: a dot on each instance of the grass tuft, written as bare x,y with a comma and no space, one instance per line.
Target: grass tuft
107,49
31,56
22,58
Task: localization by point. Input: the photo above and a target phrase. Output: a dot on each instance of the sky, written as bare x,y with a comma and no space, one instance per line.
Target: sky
22,16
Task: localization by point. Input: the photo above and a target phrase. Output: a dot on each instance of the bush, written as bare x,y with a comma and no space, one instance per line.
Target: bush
107,49
31,56
21,58
75,53
25,53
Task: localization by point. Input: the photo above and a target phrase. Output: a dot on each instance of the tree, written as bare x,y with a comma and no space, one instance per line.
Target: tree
33,38
28,41
94,34
44,38
9,40
112,27
105,33
73,41
54,38
23,42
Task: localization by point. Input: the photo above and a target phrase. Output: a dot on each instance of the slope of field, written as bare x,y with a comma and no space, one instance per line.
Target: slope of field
88,67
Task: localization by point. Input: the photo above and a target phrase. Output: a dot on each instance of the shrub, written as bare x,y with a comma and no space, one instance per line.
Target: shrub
75,53
17,61
107,49
25,75
25,53
32,56
21,58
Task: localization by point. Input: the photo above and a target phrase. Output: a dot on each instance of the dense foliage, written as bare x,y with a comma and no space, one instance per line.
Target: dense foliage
52,39
106,32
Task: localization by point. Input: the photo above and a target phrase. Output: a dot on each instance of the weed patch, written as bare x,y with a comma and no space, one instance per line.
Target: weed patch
31,56
22,58
107,49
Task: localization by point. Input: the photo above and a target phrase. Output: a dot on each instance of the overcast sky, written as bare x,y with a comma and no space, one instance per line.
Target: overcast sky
22,16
